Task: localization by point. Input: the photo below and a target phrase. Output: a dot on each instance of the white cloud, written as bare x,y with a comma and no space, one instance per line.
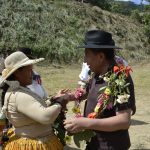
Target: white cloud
122,0
135,1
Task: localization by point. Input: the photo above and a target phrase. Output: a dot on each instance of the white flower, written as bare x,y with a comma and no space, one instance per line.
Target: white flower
82,84
48,102
121,83
106,79
123,98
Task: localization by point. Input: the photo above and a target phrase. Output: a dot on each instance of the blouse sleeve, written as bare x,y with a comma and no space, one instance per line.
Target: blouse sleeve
131,101
31,107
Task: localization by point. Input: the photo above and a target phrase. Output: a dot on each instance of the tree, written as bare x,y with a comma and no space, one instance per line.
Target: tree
104,4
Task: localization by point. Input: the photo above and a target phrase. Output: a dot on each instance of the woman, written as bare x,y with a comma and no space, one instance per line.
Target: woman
31,118
36,85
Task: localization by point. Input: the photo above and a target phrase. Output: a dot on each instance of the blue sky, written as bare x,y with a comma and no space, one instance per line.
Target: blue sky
135,1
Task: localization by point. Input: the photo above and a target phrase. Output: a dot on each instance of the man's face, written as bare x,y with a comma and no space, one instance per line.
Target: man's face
94,60
24,75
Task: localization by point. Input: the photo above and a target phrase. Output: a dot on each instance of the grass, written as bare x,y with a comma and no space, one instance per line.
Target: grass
59,77
54,29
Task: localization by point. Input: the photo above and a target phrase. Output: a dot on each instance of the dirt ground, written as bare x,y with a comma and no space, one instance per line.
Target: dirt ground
140,125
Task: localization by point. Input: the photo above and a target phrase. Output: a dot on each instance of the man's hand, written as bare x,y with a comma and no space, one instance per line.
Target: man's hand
77,124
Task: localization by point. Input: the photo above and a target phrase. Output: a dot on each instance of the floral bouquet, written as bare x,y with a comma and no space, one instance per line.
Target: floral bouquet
115,91
59,129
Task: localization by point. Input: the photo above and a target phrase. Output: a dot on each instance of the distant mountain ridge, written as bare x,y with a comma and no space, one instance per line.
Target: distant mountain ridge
129,3
138,2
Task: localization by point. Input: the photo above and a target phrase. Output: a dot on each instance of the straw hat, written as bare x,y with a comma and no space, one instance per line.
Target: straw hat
14,62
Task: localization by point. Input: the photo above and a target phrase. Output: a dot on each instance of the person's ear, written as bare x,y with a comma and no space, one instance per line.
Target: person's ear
101,57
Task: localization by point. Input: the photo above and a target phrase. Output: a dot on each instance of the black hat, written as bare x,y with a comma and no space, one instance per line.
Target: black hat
98,39
26,51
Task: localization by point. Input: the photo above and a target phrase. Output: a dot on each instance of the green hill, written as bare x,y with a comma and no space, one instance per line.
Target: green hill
54,28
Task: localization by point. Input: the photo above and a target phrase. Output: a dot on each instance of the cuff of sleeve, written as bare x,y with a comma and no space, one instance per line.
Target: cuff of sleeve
124,106
58,104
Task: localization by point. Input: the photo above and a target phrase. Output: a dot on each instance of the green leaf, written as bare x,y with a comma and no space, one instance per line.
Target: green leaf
56,125
83,136
117,81
115,102
102,88
126,85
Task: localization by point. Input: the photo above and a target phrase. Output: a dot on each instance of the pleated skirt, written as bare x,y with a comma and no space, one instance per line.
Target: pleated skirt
21,143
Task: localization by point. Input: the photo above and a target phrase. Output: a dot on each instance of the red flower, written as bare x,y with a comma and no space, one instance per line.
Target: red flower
121,69
127,71
79,93
116,69
92,115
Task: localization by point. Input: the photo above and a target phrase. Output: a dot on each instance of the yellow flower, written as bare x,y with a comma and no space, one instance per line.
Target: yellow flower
96,108
68,139
76,110
107,91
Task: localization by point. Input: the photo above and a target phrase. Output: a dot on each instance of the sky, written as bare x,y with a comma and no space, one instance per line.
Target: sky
136,1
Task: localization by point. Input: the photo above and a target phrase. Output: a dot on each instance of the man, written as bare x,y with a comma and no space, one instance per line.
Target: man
111,125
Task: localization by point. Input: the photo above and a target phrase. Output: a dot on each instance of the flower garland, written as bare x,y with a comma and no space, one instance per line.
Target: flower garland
59,129
116,91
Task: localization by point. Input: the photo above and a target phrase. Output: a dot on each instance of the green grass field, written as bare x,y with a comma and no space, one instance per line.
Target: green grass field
59,77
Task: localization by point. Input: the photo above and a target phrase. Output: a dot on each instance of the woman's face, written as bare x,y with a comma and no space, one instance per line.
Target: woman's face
24,75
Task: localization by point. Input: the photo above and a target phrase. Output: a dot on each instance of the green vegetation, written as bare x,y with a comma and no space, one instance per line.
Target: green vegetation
125,7
54,29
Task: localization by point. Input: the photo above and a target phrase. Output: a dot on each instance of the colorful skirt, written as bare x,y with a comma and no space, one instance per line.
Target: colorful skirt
16,143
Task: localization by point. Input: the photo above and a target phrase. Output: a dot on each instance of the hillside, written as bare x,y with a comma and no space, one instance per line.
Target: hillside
54,28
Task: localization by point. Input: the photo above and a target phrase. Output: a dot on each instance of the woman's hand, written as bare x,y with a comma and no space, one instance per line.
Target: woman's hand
62,97
77,124
61,93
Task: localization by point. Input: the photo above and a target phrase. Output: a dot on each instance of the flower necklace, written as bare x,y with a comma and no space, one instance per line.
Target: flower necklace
116,91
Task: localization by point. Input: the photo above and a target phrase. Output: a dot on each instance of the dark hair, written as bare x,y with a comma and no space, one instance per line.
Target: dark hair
5,88
27,51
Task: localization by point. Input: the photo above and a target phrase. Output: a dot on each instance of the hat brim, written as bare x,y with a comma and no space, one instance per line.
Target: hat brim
27,63
99,46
